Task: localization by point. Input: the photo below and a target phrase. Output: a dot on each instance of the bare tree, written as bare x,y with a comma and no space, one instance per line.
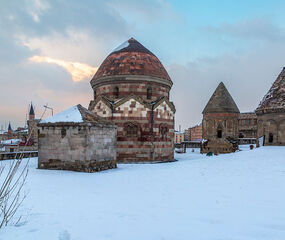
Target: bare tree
13,177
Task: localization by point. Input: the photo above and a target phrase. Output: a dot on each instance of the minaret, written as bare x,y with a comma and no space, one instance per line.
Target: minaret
31,113
10,130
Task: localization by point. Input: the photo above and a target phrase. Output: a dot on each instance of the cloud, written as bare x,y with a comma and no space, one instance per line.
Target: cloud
250,29
78,71
149,11
247,75
36,8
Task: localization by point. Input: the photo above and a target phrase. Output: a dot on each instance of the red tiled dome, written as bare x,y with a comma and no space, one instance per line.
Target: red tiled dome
132,58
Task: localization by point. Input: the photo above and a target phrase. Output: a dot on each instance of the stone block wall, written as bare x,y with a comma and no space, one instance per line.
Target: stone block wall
227,122
77,146
127,85
272,126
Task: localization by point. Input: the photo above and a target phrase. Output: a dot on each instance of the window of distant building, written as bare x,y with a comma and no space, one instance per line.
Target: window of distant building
243,122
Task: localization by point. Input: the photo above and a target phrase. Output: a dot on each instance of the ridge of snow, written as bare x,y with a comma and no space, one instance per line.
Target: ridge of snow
69,115
123,45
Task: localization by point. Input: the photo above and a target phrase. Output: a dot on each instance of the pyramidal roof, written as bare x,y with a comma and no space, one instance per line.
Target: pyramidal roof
221,102
275,97
32,112
9,127
75,114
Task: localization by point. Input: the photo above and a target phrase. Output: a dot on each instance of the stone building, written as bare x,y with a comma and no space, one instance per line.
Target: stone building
220,122
77,139
131,88
247,124
271,113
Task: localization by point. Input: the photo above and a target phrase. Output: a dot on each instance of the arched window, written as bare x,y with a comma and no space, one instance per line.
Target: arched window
270,138
163,131
131,130
219,131
116,92
148,93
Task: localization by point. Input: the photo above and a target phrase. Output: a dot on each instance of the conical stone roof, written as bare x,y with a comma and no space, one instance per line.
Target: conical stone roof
221,102
274,100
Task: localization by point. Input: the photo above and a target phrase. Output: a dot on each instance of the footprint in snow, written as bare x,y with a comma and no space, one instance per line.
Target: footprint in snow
64,235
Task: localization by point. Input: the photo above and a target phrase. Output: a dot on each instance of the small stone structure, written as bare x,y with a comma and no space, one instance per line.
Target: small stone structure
220,123
78,140
271,113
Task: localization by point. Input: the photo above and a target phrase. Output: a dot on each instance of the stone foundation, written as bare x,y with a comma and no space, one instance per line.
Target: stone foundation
78,166
217,146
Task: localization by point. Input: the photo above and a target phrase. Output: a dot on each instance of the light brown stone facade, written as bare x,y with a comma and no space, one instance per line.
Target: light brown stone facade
272,126
87,146
220,123
226,123
271,113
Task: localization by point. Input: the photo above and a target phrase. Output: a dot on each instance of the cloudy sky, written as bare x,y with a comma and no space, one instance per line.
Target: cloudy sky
50,49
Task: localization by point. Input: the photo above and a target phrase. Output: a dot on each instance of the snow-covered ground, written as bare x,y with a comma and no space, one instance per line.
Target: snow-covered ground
226,197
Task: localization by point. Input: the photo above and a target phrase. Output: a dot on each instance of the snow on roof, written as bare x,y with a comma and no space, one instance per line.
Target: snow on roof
123,45
10,141
70,115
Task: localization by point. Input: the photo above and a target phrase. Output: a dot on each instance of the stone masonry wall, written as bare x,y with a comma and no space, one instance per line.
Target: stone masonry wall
78,147
149,144
272,124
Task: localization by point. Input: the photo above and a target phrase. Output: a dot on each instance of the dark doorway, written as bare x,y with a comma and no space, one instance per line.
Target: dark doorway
270,138
219,133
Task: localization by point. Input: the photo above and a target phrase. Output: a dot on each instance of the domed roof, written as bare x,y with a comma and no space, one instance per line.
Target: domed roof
274,100
221,102
132,58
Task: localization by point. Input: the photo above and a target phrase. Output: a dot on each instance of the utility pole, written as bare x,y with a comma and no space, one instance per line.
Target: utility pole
46,106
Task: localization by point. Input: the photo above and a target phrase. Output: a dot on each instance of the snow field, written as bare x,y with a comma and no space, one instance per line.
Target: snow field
231,196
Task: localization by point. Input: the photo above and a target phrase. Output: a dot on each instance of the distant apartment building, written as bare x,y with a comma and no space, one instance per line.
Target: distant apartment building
194,133
178,137
247,123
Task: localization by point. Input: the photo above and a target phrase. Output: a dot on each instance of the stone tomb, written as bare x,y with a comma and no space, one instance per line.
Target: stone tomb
220,123
77,140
